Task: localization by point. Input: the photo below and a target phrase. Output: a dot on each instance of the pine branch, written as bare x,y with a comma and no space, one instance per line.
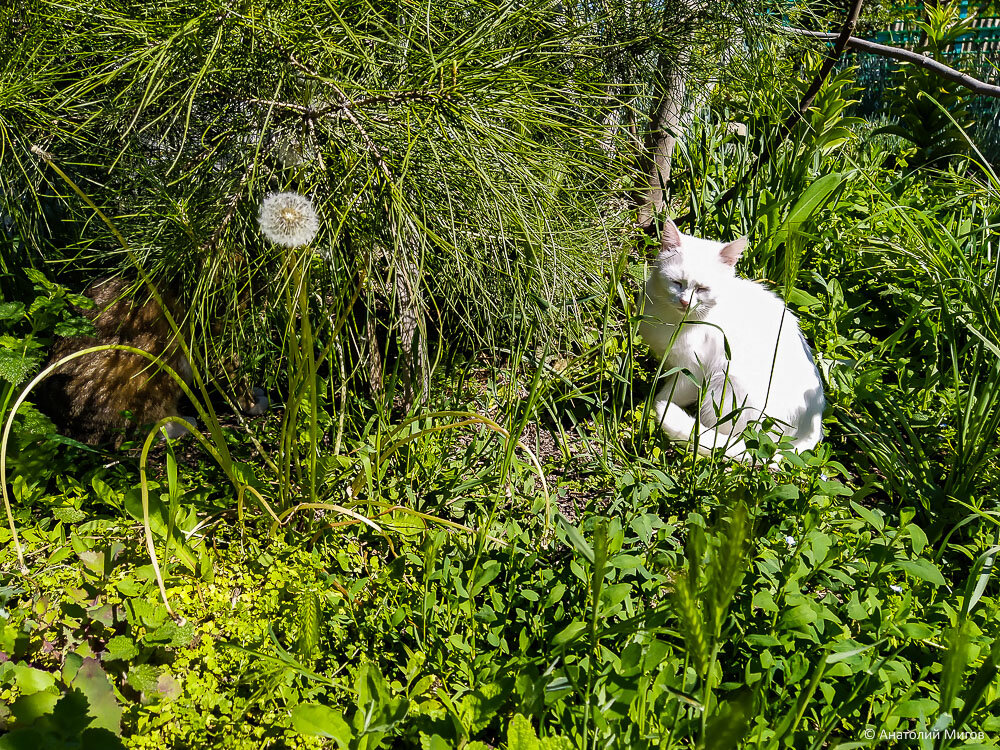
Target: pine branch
406,277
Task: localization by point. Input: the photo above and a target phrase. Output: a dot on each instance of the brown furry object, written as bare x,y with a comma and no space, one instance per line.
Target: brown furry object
90,397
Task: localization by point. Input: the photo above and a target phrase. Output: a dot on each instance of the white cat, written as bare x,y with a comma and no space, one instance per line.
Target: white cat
694,306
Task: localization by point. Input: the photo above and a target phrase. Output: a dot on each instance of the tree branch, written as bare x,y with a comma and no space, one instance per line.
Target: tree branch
785,130
908,56
663,123
831,60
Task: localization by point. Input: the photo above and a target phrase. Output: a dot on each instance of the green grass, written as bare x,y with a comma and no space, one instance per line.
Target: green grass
522,561
688,603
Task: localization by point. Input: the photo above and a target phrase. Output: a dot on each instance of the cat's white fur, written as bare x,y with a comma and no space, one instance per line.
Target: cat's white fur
694,305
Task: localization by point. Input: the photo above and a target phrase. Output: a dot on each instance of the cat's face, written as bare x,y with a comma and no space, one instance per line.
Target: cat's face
693,272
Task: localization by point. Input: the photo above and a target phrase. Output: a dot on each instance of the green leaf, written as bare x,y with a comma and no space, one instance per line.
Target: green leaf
172,634
16,366
976,587
158,512
97,738
728,725
802,299
484,577
820,546
30,680
833,488
128,587
39,278
68,514
23,738
954,665
555,743
810,201
985,677
121,648
477,709
764,600
29,708
167,687
916,630
71,714
922,569
321,721
143,677
74,327
916,708
838,656
521,735
555,593
575,538
784,492
918,539
91,680
612,596
855,610
146,613
569,633
437,742
370,686
799,616
871,517
11,310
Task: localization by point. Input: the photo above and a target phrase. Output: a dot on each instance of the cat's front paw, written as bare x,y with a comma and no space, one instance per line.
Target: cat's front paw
261,403
174,430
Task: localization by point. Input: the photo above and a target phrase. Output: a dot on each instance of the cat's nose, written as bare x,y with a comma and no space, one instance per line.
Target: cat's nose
685,304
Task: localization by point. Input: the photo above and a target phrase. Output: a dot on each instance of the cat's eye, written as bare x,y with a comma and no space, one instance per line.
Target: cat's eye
675,284
701,289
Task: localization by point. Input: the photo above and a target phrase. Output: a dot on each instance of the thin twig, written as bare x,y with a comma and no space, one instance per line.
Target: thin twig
831,60
299,108
345,103
908,56
771,145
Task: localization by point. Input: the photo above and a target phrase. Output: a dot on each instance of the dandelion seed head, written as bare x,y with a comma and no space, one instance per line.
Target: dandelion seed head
288,219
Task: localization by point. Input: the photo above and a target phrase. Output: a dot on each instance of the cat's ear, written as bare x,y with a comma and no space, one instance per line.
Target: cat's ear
670,238
731,253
